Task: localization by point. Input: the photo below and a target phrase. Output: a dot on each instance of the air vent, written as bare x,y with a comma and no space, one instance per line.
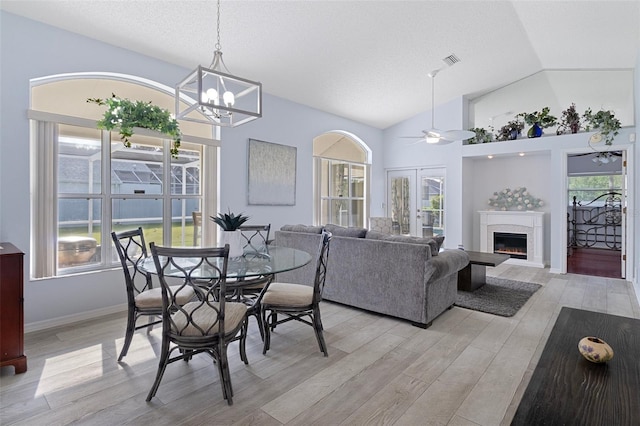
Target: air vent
451,59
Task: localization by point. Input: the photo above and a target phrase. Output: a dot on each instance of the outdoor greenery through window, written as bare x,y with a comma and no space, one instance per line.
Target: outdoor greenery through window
589,188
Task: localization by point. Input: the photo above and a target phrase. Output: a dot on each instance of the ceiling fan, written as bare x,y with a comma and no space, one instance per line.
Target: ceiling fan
438,136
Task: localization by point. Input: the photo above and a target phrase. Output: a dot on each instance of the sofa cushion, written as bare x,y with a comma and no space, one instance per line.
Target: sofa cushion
341,231
302,228
375,235
431,242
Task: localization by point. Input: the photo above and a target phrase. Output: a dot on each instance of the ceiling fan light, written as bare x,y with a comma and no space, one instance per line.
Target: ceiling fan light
433,139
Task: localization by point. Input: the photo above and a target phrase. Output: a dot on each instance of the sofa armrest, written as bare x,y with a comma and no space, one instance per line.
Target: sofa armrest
447,262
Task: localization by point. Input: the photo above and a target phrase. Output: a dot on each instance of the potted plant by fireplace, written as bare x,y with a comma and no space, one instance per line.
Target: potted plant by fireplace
230,224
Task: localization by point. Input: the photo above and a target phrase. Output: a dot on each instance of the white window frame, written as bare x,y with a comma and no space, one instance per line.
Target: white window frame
44,195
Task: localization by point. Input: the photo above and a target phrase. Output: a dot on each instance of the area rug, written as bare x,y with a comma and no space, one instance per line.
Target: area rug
498,296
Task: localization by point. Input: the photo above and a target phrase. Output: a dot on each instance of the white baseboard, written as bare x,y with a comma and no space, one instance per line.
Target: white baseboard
70,319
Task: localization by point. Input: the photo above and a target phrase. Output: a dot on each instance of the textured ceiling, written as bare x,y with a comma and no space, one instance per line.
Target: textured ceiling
364,60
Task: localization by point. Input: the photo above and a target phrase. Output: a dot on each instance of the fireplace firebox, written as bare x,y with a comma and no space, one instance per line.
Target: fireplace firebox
512,244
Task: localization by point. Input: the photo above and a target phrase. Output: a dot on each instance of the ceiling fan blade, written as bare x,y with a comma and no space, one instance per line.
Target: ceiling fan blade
458,135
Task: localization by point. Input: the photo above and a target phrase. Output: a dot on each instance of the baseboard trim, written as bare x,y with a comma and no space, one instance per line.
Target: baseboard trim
70,319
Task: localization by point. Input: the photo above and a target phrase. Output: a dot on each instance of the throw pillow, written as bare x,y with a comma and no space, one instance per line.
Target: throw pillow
433,245
375,235
341,231
302,228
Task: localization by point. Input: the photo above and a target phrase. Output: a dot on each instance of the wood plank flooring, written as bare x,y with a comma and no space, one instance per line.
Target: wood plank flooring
593,261
468,368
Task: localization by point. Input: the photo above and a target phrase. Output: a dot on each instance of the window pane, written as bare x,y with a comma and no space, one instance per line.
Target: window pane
185,170
357,213
357,181
339,181
340,212
79,232
131,213
324,178
324,212
138,169
183,231
79,165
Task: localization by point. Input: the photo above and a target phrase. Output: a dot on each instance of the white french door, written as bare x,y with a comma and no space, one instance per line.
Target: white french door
415,201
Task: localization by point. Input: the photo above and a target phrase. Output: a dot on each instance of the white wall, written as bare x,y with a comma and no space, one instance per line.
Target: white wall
30,49
406,153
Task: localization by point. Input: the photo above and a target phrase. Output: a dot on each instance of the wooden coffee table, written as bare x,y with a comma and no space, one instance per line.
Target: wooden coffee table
566,389
474,275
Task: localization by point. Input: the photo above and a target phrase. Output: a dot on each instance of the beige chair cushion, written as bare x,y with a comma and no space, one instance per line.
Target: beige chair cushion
205,316
285,294
153,298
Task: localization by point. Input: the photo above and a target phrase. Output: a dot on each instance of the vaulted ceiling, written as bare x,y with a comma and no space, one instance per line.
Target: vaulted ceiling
364,60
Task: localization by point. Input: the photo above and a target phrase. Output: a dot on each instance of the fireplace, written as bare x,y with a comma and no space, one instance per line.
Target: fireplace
509,226
512,244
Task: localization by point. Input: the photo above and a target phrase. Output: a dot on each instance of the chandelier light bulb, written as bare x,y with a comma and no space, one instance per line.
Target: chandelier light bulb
212,94
229,99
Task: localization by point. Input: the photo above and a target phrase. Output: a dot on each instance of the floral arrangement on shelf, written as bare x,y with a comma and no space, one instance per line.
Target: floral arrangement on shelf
542,118
510,131
518,199
570,120
482,136
604,122
125,114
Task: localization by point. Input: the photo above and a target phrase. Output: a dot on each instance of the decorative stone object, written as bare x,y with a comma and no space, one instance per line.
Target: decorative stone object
595,349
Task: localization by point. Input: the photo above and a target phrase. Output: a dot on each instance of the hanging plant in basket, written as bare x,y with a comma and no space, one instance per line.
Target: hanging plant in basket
125,114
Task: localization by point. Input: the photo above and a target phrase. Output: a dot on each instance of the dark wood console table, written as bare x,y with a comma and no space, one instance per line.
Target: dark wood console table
566,389
474,275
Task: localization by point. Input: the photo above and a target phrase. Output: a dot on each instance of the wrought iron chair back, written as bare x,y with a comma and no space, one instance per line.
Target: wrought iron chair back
132,250
297,302
255,237
206,324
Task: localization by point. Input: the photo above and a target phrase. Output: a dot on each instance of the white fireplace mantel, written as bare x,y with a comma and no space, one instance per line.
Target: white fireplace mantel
527,222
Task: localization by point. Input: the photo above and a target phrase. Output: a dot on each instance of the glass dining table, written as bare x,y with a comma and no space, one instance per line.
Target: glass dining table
244,270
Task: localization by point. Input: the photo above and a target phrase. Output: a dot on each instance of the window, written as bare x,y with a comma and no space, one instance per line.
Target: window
341,177
342,195
85,183
101,187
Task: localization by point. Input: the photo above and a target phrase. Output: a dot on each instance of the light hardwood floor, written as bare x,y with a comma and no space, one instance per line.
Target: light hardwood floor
468,368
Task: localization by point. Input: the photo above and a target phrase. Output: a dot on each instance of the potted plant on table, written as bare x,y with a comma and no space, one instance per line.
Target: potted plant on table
125,114
538,120
604,121
230,224
570,120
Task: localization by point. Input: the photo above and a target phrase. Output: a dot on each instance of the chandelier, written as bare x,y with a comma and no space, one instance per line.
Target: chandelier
212,95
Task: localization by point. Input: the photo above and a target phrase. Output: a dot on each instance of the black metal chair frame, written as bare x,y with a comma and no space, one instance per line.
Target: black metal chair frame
256,238
299,313
211,295
132,250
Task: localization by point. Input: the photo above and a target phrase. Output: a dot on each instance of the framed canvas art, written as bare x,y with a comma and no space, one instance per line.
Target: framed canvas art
272,174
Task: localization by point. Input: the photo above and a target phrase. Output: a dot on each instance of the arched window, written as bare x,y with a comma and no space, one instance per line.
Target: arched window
341,176
88,184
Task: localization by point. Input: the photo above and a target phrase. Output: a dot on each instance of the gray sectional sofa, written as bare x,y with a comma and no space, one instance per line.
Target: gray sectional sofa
404,277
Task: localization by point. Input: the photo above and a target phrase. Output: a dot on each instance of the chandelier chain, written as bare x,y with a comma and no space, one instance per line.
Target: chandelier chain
218,46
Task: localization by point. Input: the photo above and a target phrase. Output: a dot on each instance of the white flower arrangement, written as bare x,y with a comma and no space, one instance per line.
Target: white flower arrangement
514,199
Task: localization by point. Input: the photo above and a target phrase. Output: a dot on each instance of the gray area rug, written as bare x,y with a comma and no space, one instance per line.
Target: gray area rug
498,296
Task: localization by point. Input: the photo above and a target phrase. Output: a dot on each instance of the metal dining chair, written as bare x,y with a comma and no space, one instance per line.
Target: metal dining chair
207,324
299,302
142,298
